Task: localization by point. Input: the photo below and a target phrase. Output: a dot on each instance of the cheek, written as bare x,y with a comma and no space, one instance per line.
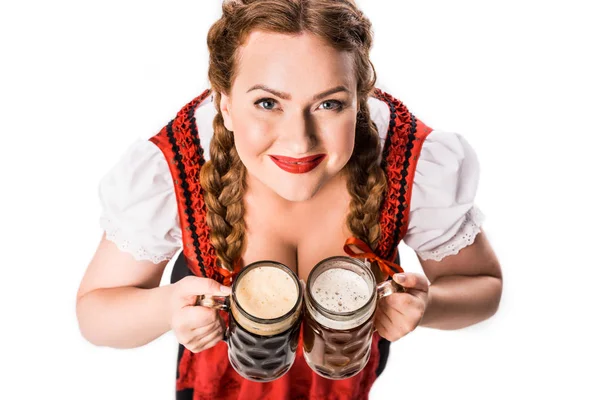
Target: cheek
251,139
341,140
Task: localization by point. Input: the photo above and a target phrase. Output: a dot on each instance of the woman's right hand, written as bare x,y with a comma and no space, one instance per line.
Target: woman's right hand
197,328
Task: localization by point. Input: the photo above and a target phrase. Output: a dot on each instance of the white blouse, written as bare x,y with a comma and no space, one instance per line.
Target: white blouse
139,207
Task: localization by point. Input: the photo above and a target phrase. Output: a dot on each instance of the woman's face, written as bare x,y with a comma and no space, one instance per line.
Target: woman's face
292,110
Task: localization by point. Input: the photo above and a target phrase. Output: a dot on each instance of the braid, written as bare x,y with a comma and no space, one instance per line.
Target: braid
367,183
223,180
341,24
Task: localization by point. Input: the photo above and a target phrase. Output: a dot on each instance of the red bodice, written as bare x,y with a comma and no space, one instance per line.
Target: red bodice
208,374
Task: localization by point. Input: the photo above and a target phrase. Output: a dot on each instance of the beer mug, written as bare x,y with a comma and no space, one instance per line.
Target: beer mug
341,299
265,314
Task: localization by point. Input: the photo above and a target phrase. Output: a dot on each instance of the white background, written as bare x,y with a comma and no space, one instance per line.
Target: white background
519,80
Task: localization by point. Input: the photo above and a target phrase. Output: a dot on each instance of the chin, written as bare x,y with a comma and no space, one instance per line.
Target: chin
296,194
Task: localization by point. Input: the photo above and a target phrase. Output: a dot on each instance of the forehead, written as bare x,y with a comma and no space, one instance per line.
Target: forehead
300,64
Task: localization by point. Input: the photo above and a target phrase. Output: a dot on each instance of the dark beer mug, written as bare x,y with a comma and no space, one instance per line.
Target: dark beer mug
265,314
341,299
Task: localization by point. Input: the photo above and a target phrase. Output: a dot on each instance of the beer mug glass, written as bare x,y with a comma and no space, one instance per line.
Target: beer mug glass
265,314
341,299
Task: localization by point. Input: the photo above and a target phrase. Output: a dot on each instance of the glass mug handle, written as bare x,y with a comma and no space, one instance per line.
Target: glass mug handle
217,303
388,287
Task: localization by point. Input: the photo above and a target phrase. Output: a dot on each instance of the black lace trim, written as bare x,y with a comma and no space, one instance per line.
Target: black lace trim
186,194
404,173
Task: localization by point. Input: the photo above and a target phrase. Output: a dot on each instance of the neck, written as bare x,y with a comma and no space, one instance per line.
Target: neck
258,193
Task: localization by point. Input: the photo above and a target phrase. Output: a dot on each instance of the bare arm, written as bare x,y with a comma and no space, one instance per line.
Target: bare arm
465,288
120,303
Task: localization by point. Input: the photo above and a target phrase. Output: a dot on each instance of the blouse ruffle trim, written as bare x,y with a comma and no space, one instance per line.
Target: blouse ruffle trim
469,229
139,252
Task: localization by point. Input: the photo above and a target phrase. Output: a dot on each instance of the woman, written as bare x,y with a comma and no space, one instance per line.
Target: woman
306,156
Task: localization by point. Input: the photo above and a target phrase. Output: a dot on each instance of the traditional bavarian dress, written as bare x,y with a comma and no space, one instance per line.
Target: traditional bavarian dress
153,206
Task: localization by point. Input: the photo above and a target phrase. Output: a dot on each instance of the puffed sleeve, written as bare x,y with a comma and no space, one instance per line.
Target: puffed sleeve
139,208
443,217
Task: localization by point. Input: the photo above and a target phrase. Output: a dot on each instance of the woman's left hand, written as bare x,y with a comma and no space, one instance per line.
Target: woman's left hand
400,313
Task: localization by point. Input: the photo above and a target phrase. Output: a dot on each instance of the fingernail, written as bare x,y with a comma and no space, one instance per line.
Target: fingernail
225,290
399,278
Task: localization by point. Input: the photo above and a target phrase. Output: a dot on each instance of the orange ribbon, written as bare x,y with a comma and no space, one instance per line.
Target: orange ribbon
386,266
230,275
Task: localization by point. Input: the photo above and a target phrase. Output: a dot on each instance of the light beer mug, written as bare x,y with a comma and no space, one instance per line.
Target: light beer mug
340,299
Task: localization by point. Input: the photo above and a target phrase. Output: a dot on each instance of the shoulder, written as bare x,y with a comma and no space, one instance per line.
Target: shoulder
380,115
443,215
138,204
203,117
447,161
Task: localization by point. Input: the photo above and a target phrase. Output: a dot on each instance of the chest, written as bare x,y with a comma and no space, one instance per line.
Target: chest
298,238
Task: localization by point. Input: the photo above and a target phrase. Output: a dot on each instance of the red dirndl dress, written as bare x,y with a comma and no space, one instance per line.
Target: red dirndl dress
208,374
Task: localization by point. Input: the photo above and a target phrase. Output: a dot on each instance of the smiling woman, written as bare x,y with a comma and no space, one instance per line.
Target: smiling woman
306,160
300,123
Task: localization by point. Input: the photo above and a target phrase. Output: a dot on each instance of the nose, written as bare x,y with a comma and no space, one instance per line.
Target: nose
298,134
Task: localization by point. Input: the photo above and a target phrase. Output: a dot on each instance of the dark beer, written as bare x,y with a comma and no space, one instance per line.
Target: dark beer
264,320
341,298
335,353
262,358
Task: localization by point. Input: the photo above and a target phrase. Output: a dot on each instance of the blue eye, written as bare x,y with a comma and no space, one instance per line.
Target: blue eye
266,101
269,104
335,105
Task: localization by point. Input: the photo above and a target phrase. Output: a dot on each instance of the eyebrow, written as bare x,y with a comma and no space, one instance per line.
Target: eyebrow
287,96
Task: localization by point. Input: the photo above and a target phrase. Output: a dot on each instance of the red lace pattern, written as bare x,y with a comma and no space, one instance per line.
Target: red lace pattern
179,141
209,373
400,154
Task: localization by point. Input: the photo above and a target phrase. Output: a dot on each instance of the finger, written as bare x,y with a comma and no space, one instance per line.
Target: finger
204,342
410,306
221,322
213,343
385,326
205,330
198,286
402,302
190,318
402,324
397,319
191,287
382,314
190,335
218,323
411,280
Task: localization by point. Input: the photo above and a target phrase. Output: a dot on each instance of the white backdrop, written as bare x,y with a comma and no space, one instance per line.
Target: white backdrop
519,80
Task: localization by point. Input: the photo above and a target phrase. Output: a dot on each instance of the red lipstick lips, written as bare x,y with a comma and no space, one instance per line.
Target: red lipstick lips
298,165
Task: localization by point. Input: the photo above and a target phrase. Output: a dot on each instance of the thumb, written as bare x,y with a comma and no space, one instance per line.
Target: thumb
197,285
411,280
194,286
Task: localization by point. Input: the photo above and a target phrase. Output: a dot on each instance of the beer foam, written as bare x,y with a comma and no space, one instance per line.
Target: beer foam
340,290
267,292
